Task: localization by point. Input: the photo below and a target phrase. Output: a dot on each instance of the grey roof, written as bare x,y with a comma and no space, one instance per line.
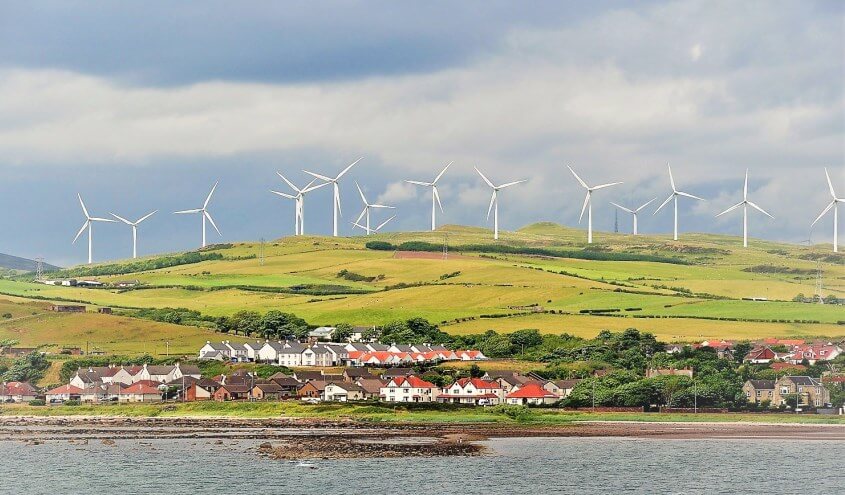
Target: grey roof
398,372
379,347
275,345
308,375
762,384
292,348
270,387
803,380
370,385
357,372
217,346
159,370
287,382
255,345
567,384
237,346
190,369
403,348
360,347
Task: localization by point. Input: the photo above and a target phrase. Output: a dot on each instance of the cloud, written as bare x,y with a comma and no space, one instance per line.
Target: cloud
398,192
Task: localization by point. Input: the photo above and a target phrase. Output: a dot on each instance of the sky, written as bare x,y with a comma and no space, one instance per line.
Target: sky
144,106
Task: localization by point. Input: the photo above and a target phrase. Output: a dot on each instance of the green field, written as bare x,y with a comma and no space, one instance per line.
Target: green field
700,297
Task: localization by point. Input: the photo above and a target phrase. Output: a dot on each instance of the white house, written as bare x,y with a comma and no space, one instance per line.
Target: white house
473,391
269,352
409,389
214,350
343,392
291,354
252,349
237,352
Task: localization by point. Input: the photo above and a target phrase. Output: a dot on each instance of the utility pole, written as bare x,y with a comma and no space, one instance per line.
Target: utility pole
594,394
261,252
39,268
446,246
615,221
695,396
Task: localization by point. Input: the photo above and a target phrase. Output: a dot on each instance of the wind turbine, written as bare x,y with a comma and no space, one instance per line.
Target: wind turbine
634,212
435,196
745,203
368,230
674,196
204,213
299,214
494,201
89,224
834,203
336,200
134,226
588,203
367,207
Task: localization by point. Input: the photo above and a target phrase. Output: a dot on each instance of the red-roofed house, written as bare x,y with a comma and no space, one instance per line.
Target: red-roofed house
63,393
760,355
814,352
409,389
473,391
140,392
531,393
17,392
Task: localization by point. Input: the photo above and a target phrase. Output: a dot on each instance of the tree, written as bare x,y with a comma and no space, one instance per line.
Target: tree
342,332
496,346
27,368
741,350
475,371
522,339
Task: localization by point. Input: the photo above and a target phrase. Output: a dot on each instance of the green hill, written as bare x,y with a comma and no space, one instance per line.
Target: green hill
543,276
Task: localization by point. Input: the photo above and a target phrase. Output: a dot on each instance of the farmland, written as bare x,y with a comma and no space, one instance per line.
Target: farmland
682,291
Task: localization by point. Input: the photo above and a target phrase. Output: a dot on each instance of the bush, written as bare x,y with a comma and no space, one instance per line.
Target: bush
380,246
37,402
72,402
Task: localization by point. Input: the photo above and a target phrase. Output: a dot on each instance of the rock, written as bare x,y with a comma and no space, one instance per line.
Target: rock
108,441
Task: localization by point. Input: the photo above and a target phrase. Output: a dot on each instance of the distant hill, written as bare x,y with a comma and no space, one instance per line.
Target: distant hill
9,262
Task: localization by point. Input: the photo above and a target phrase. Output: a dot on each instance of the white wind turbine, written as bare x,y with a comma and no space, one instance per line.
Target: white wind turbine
367,207
745,203
588,203
368,230
89,224
834,203
494,200
204,213
134,226
674,196
299,198
336,195
635,212
435,196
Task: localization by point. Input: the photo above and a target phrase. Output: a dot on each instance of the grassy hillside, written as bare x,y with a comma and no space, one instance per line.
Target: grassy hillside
684,290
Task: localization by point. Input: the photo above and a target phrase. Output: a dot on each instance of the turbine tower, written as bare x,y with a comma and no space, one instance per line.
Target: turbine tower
435,196
367,207
635,212
203,213
89,224
674,196
336,199
368,230
299,198
588,203
134,226
834,203
745,203
494,201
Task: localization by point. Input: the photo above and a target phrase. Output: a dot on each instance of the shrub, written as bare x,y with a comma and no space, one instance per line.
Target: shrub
72,402
37,402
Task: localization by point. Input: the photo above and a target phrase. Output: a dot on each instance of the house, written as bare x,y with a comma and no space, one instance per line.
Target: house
561,388
317,356
237,352
291,354
507,379
267,391
63,393
321,333
409,389
371,386
810,392
215,351
140,392
17,392
307,376
814,352
674,348
232,392
473,391
531,393
654,372
343,392
65,308
202,389
155,373
314,389
352,374
104,311
288,386
252,349
269,352
93,375
760,355
758,391
396,373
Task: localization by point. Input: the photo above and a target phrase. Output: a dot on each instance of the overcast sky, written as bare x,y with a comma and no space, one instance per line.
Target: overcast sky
142,106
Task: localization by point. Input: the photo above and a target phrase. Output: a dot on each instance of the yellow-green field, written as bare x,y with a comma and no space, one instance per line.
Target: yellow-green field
457,291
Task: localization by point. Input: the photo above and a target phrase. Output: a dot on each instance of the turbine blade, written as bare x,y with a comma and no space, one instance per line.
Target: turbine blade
289,183
208,216
606,185
208,199
361,193
84,225
509,184
148,215
621,207
337,200
745,188
318,186
100,219
382,206
671,178
360,226
732,208
289,196
583,184
664,203
824,212
688,195
82,203
321,177
437,197
127,222
384,223
652,200
347,168
442,172
829,183
363,212
419,183
485,178
584,208
761,210
492,200
182,212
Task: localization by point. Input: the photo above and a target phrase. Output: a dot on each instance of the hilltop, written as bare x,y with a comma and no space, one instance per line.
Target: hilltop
16,263
543,276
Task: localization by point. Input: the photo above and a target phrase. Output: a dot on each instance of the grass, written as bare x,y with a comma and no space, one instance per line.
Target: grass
387,413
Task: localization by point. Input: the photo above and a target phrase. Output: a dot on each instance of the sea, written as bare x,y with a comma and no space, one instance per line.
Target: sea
533,466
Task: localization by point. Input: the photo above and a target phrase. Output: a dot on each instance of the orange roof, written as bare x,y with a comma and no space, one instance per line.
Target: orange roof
531,391
141,388
64,389
478,383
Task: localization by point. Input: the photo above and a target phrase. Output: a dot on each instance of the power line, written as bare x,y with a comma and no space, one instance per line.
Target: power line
261,244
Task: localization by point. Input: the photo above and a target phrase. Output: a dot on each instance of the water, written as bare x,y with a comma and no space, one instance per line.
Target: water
515,466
